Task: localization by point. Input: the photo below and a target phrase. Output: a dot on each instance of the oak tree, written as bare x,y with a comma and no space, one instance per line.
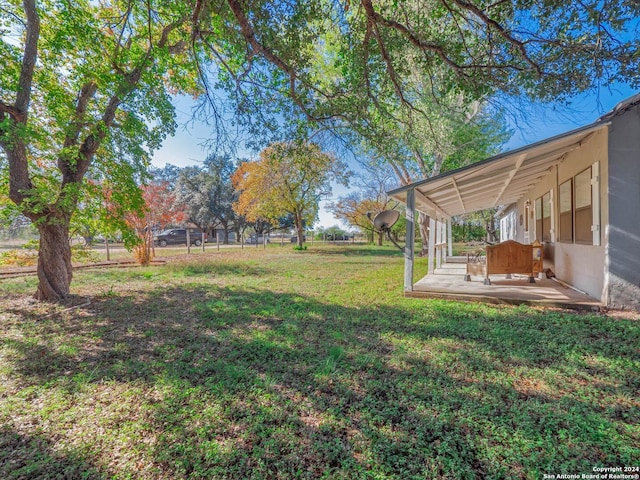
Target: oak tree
208,195
83,81
288,178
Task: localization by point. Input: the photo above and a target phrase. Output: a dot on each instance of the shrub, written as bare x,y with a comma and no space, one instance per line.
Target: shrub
33,244
19,258
83,253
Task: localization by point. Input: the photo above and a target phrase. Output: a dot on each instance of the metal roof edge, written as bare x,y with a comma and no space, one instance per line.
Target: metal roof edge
622,107
600,123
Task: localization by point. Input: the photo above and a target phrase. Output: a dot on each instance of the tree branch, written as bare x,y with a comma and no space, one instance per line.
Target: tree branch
249,34
501,31
415,41
29,58
94,139
16,151
14,113
86,94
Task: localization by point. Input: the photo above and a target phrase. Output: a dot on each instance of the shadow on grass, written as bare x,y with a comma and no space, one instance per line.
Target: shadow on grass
36,458
239,383
354,250
221,268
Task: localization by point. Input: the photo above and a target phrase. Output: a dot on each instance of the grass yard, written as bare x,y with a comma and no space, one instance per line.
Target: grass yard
276,364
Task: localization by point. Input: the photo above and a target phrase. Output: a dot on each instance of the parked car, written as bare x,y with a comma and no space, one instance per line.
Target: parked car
294,239
259,239
178,236
102,238
337,237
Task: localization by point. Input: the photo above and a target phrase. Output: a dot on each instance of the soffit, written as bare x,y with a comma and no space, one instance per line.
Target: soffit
500,180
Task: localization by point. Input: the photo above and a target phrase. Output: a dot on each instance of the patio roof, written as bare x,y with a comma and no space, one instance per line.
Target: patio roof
499,180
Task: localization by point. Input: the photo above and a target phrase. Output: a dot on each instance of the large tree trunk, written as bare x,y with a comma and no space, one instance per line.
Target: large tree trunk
299,230
54,261
423,224
490,228
225,227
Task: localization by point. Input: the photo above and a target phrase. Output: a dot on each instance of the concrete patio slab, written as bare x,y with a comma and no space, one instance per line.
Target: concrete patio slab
448,282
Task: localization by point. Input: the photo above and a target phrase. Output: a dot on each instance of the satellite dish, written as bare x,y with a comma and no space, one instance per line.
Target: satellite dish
386,219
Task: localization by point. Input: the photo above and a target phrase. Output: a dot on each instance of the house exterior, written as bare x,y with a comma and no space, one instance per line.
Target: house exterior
577,193
217,234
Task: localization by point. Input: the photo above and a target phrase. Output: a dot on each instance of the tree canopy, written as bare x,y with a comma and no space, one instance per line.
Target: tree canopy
346,63
207,193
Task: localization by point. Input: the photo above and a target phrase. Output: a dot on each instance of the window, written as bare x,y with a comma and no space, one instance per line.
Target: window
583,212
579,207
543,218
565,206
546,217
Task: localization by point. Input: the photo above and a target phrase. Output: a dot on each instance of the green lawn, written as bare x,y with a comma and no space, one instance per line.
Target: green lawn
281,364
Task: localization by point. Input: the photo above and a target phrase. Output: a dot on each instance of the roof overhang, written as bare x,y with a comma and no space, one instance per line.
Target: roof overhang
500,180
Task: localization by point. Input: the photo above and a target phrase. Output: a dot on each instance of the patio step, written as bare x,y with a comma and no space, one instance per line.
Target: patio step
451,269
457,259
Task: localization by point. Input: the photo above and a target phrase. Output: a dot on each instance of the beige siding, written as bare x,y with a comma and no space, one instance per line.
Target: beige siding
582,266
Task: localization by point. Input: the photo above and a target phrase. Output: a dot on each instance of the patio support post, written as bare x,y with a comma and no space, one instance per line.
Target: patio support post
444,242
432,242
438,243
409,243
449,238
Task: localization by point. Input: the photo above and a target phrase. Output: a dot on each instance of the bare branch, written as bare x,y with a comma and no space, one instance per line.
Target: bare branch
118,43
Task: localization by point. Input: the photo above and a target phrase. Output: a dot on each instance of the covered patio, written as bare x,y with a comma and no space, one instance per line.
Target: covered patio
498,181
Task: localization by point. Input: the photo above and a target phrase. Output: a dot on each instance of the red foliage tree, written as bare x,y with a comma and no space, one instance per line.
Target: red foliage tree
161,209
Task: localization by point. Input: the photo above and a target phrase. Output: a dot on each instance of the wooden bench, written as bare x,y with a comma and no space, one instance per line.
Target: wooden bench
506,258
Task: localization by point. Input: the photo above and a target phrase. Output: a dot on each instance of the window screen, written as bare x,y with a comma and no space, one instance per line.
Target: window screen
538,210
543,218
565,207
546,217
583,211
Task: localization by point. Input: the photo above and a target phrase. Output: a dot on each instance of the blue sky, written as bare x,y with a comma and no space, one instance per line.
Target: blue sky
186,147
